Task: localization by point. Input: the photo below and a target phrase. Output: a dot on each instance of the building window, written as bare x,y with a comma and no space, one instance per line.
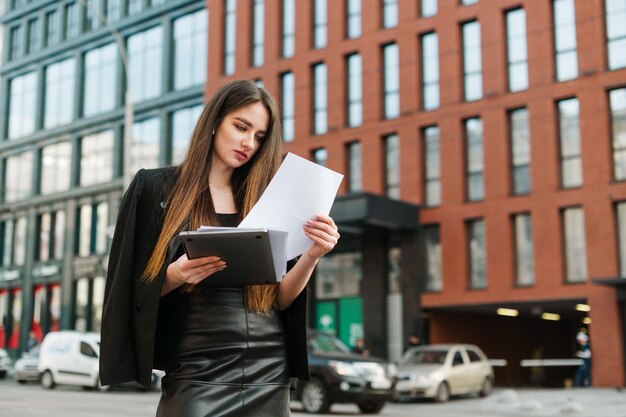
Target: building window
16,42
353,17
575,245
114,10
6,243
354,167
616,33
320,23
390,13
472,61
157,2
59,107
618,115
230,30
146,144
566,56
22,94
72,27
288,105
18,177
56,168
621,236
19,244
432,166
524,258
100,80
516,49
145,50
34,35
183,122
355,90
93,222
134,7
52,28
258,33
474,161
85,221
428,8
44,241
58,235
96,161
520,150
391,57
320,99
102,224
392,166
190,49
92,16
289,28
477,254
569,134
430,71
320,156
432,243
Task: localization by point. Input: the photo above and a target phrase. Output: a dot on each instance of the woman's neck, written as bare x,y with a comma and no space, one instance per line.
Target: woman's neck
220,175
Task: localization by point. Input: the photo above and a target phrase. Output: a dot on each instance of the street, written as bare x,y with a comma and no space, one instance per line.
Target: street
32,400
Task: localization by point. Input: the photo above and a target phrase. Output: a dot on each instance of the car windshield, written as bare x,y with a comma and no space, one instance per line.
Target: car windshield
33,352
327,343
419,356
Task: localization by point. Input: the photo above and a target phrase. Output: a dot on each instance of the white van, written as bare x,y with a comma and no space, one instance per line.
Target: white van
70,358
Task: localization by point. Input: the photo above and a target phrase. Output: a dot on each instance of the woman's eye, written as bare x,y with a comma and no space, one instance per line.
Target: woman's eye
260,138
242,128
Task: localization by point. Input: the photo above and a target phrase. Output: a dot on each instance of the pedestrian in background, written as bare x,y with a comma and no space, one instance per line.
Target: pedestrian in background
413,341
359,347
583,375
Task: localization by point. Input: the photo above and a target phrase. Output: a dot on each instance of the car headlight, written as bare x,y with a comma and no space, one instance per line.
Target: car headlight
421,379
343,368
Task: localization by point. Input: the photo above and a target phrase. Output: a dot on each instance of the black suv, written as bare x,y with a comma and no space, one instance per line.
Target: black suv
341,376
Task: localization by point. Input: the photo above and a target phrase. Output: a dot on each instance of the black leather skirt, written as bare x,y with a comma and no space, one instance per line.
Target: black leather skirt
224,360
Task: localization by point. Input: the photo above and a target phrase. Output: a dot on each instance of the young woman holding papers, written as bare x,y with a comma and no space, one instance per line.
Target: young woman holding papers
225,351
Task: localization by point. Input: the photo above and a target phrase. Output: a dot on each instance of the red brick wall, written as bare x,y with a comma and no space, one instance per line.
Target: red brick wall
597,195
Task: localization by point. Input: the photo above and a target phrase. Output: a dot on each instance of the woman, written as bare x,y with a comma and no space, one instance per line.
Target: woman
226,351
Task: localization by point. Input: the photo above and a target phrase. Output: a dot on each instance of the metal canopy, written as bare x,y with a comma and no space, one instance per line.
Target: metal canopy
354,211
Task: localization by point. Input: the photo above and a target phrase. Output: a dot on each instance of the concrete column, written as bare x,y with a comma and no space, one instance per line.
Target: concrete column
374,290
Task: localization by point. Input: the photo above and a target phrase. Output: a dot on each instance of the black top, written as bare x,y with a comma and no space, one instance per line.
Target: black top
228,219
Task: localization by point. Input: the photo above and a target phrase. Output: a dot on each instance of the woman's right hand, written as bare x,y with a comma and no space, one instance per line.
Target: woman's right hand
190,271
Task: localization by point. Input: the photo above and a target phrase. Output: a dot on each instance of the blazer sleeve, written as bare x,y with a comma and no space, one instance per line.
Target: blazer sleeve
117,353
295,324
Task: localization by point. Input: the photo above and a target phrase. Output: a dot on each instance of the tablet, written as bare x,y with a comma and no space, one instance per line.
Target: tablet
247,253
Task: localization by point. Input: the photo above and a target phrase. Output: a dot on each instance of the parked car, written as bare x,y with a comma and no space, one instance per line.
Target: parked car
71,358
5,363
441,371
340,376
26,367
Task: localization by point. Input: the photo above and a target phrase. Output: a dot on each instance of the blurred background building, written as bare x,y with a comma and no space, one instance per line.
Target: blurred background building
483,142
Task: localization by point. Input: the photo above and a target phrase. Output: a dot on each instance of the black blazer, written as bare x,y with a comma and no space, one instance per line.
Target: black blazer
136,319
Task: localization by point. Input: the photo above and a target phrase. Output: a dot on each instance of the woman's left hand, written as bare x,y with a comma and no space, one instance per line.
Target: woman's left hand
322,230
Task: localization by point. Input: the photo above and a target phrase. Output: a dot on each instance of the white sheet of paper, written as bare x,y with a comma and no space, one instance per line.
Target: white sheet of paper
299,191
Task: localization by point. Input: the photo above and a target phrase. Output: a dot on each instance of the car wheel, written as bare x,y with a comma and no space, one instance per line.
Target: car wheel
100,387
315,396
21,381
371,407
3,374
47,381
443,393
486,387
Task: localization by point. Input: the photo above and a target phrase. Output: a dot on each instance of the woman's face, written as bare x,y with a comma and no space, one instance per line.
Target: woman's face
240,135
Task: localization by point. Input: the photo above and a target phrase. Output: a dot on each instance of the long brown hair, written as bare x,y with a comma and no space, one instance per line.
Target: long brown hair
191,197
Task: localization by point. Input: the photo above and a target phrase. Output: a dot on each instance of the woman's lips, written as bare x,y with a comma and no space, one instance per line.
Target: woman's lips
241,155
